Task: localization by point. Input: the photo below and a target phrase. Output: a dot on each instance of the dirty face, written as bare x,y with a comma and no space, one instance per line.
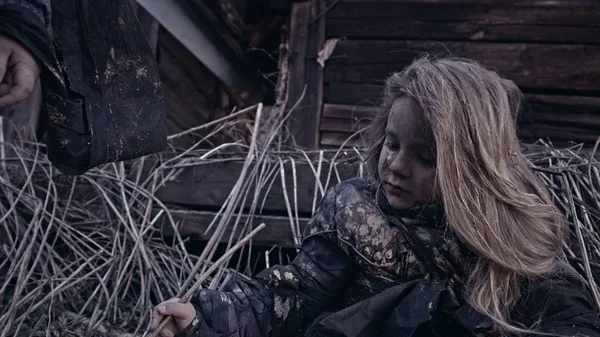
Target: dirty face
407,160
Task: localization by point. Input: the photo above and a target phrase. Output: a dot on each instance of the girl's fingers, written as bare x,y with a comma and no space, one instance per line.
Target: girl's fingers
4,89
167,331
157,316
177,310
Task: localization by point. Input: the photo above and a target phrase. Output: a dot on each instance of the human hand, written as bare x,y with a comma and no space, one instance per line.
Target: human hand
183,315
18,72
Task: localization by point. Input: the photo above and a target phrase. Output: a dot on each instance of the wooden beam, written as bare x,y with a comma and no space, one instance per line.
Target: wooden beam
177,61
343,124
336,139
411,29
543,114
209,185
493,12
232,19
282,6
538,66
355,112
195,223
561,21
559,133
219,28
564,3
196,35
353,93
305,87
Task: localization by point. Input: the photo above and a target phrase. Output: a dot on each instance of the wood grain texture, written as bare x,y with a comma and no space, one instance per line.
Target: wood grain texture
209,186
195,223
538,66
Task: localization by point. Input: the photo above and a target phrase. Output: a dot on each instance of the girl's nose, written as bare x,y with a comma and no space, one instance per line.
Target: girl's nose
399,164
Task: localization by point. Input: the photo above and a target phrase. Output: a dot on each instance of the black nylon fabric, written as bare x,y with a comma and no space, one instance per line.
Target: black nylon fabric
102,97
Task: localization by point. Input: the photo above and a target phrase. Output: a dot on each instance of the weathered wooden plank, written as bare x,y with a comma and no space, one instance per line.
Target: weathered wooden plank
413,29
337,139
354,112
314,75
298,42
558,133
542,12
528,133
174,56
342,124
193,32
195,223
494,2
353,93
538,66
284,6
209,186
549,110
568,111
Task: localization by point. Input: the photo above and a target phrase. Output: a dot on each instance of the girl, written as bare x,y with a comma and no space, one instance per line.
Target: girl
452,235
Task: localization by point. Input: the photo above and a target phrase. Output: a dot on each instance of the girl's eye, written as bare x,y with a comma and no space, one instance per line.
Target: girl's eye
391,145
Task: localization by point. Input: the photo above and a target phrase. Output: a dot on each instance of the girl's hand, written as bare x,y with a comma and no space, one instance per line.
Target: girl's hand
183,314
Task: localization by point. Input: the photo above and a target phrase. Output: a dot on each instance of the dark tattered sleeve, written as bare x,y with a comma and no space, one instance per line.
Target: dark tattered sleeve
560,305
283,300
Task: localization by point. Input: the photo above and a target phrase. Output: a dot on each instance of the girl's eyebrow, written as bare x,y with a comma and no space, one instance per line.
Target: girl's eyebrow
391,132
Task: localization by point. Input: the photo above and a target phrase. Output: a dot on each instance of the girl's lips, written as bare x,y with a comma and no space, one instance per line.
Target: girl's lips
397,190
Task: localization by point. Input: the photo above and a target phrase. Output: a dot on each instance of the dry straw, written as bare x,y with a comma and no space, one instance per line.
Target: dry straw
84,256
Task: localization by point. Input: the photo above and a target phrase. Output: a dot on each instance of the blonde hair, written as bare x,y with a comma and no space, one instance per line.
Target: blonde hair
492,200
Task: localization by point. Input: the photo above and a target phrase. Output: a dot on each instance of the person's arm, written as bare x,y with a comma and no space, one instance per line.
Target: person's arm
283,300
19,70
42,8
565,305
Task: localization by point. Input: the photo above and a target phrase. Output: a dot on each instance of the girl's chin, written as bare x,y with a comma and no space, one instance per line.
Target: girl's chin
399,203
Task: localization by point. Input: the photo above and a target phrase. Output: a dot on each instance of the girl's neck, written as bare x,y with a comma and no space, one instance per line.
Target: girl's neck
430,215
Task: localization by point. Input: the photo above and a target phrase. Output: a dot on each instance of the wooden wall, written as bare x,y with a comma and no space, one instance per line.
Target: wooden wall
551,49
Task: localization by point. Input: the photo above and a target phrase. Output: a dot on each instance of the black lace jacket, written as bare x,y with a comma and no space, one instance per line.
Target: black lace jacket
365,270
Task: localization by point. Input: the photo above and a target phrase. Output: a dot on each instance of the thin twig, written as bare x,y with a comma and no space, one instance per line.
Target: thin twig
189,293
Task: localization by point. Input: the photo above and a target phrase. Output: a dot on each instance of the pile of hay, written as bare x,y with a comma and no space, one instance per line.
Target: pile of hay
84,256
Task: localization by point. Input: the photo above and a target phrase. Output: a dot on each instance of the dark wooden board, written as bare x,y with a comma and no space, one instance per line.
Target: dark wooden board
354,112
336,139
302,122
394,28
576,111
559,133
209,186
562,12
567,111
195,223
314,76
528,133
565,3
538,66
543,115
352,93
342,124
175,55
